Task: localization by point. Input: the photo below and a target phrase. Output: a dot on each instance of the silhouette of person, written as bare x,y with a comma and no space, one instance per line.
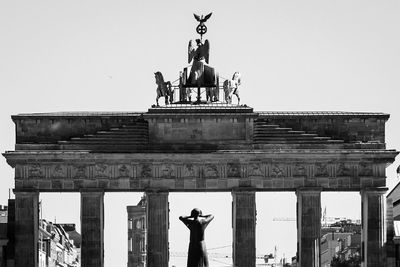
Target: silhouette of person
197,223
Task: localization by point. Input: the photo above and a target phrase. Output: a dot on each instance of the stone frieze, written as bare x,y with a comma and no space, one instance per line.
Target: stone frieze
197,176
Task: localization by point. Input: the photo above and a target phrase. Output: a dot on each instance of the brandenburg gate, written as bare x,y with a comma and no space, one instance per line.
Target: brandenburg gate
200,148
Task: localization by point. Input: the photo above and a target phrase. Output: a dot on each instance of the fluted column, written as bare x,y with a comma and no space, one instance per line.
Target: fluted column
308,227
157,231
373,235
26,229
244,228
92,224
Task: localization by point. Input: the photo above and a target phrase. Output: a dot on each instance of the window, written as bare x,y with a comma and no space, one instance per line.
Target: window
130,244
130,224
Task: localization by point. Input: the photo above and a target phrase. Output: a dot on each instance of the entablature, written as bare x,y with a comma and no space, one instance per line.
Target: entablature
220,171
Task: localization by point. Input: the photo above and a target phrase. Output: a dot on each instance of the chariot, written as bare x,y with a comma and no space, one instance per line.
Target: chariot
208,82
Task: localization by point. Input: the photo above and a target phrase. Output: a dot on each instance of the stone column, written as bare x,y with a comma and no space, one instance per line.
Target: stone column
157,231
308,227
373,227
92,228
26,229
244,228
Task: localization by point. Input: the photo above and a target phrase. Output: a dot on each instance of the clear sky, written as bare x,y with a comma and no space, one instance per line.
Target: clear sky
341,55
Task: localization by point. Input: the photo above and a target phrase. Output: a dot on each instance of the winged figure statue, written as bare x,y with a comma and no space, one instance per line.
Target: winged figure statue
197,51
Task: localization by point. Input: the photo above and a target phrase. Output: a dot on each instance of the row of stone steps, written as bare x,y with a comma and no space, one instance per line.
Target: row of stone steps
266,133
127,137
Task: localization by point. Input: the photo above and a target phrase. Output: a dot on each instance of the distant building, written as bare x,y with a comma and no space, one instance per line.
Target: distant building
7,240
349,247
393,225
58,244
341,240
56,247
394,195
137,229
3,234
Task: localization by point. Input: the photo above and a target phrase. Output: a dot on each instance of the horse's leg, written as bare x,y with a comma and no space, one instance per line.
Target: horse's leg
157,101
237,95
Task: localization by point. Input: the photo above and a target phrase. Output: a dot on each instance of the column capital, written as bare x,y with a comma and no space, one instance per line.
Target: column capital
25,191
309,190
157,191
243,190
91,190
374,190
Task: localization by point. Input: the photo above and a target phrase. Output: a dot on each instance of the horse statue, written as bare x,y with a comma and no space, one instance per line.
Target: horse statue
231,87
164,89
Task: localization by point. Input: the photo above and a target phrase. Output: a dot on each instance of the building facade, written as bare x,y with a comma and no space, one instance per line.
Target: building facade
3,234
340,241
137,232
58,245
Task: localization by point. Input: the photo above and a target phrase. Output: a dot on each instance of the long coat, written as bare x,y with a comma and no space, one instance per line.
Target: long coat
197,254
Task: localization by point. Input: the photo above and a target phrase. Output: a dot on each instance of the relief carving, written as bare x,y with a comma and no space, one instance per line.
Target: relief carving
188,171
343,170
80,172
34,171
365,169
210,171
277,170
233,170
146,171
321,170
101,171
299,171
255,169
59,172
167,171
123,171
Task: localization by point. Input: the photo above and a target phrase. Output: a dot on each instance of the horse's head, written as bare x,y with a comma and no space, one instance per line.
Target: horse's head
236,77
159,77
